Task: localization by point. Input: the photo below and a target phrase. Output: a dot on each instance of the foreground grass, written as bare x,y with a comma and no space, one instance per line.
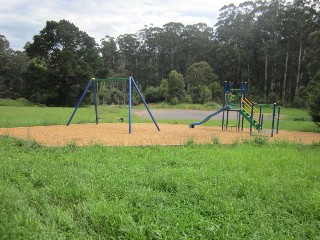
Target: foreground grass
255,190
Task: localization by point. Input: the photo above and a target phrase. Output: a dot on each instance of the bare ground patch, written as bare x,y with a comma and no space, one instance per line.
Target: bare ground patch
116,134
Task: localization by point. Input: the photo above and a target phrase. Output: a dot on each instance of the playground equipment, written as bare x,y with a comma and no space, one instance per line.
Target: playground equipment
234,100
131,82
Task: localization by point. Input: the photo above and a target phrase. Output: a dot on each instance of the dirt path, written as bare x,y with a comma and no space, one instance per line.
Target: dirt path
116,134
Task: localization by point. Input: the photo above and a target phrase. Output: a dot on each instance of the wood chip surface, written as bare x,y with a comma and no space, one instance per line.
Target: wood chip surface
143,134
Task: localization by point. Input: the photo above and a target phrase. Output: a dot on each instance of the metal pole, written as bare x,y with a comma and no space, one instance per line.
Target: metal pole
79,102
278,120
95,101
251,120
130,104
273,115
260,112
227,123
238,117
144,102
242,122
223,119
224,102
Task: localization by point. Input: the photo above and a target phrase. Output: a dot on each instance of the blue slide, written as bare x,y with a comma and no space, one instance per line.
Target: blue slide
208,117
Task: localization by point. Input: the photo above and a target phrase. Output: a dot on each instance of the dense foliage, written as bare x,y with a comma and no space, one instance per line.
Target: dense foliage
272,45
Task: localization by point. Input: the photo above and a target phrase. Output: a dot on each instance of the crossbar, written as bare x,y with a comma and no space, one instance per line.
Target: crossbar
108,79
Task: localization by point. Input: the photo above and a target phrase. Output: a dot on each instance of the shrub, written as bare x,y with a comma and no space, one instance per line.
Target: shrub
313,98
174,101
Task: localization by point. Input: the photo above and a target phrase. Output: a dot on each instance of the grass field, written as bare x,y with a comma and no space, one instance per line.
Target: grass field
255,190
18,114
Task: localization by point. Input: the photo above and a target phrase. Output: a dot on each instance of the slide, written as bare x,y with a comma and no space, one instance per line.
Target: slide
208,117
247,116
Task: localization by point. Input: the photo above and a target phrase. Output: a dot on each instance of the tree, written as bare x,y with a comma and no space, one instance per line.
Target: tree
164,88
70,57
129,49
12,66
176,86
313,98
199,78
109,56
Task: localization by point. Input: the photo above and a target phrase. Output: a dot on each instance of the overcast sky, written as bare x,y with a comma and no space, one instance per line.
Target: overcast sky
20,20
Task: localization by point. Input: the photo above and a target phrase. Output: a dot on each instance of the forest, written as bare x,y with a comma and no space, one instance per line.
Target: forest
272,45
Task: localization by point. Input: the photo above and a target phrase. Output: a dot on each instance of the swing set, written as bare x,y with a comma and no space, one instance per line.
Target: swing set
94,82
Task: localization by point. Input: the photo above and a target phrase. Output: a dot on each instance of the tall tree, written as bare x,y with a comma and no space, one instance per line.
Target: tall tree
12,66
70,57
109,55
199,75
176,86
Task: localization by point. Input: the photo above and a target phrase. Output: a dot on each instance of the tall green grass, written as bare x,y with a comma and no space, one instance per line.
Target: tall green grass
20,102
255,190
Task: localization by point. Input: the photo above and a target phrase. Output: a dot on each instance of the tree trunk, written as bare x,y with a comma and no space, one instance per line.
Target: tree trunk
248,80
266,76
299,67
285,76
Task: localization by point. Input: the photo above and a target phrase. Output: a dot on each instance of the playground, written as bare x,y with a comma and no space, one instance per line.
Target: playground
235,110
144,134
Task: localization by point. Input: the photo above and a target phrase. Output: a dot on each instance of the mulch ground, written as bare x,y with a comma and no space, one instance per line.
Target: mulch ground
116,134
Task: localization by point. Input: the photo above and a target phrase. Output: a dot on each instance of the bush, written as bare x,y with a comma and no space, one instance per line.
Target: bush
174,101
153,94
188,99
116,96
313,98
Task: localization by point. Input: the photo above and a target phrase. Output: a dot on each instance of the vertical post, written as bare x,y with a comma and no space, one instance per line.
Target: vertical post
130,104
79,102
260,113
251,120
273,116
224,102
241,94
227,123
144,102
238,118
278,120
242,122
95,100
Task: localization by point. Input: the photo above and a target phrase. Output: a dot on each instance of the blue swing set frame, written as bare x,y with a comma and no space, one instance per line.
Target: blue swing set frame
131,82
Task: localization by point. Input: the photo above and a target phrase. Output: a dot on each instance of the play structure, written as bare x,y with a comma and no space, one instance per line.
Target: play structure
234,100
130,81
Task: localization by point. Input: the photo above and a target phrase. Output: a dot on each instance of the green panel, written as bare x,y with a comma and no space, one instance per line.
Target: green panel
248,117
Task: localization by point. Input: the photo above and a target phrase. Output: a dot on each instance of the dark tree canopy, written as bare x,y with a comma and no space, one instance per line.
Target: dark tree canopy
67,57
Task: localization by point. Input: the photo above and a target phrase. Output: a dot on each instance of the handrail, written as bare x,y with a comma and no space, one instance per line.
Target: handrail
246,101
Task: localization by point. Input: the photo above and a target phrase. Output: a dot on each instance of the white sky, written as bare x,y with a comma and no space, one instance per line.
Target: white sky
20,20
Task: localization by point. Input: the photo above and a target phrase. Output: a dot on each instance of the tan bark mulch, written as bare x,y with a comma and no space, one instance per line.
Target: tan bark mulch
116,134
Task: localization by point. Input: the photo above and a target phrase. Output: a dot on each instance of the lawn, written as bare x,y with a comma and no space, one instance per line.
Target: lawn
18,114
255,190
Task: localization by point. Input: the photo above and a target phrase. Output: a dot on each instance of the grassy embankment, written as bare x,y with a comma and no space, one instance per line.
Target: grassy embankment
256,190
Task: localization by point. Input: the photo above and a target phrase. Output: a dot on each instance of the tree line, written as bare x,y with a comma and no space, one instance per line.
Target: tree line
273,45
